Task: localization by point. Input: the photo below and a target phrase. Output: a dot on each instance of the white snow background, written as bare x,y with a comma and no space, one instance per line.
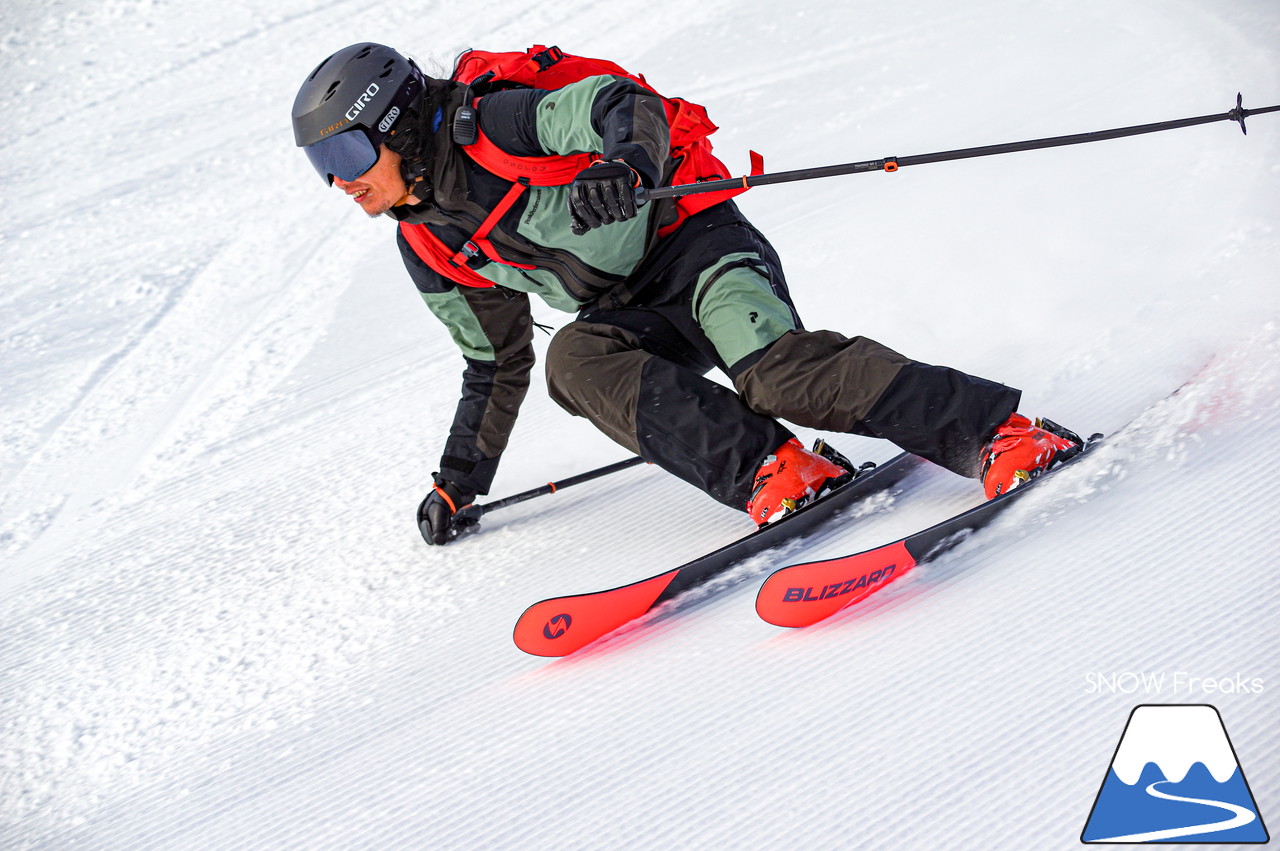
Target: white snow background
221,400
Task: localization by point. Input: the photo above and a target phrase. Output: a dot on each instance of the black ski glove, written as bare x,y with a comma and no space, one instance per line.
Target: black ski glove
601,194
446,513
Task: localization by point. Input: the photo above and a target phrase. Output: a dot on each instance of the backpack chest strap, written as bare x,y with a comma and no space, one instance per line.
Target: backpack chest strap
479,242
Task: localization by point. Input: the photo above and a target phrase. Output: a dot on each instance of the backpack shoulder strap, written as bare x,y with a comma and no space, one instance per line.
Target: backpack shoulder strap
555,170
432,251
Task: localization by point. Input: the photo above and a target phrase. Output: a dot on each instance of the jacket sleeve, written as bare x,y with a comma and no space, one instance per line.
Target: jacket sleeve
610,116
494,330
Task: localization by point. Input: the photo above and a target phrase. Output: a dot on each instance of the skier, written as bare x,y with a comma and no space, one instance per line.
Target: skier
660,300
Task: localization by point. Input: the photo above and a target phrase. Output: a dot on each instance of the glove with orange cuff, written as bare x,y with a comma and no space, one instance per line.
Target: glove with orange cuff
446,513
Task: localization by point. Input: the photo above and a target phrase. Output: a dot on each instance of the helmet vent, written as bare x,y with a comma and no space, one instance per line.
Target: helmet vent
316,72
387,69
363,53
333,87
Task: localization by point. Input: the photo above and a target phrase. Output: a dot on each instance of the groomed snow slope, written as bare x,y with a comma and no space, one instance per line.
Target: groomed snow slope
221,401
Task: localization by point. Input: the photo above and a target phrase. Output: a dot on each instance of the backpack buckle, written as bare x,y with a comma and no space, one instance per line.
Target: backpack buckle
548,57
470,250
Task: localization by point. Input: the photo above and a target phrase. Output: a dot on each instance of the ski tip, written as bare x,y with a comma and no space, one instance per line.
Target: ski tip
564,625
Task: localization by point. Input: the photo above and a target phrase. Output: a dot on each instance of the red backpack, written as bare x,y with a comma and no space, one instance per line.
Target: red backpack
549,68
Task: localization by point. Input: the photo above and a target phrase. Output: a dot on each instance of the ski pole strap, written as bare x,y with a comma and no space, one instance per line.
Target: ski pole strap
552,487
892,164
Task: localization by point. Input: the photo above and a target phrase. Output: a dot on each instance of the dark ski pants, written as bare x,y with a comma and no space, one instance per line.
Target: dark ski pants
638,373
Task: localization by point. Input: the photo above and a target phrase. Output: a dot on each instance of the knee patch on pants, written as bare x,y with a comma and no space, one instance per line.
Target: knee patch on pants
736,306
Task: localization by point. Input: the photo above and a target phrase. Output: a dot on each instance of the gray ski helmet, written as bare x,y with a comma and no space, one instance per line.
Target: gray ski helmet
364,88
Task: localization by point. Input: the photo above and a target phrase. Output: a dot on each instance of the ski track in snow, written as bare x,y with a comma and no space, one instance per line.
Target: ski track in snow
222,400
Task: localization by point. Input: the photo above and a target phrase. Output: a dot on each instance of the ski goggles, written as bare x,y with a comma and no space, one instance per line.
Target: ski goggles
345,155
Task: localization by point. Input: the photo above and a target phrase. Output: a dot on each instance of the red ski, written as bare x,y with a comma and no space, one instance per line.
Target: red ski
803,594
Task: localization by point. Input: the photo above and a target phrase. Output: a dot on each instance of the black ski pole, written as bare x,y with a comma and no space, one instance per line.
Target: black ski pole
552,487
467,519
891,164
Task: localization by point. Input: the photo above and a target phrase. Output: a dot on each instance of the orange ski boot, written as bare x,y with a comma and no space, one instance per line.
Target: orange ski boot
791,478
1022,450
